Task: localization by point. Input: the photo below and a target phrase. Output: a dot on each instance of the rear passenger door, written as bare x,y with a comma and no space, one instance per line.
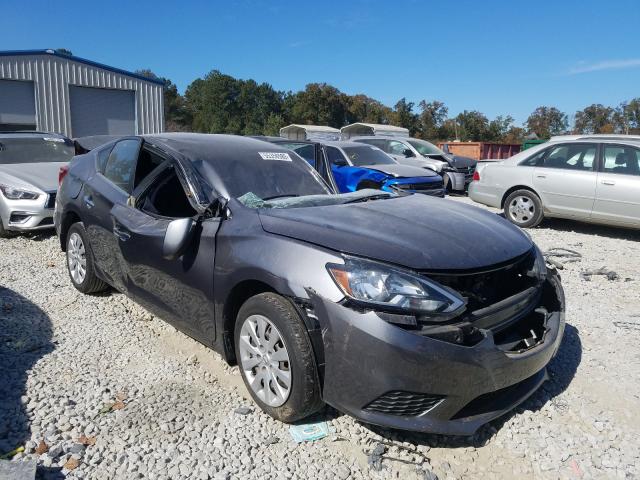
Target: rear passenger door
618,186
566,180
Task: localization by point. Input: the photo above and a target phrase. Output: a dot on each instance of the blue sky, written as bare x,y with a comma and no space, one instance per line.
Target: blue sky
499,57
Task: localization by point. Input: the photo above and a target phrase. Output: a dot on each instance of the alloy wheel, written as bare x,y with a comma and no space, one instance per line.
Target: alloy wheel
522,209
76,258
264,360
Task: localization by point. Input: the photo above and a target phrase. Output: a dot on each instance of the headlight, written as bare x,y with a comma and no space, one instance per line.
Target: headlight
390,288
17,193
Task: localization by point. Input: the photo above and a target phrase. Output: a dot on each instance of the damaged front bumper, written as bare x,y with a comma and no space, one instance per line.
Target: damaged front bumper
386,375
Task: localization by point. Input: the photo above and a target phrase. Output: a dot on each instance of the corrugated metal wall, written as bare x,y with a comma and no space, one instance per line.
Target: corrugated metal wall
52,75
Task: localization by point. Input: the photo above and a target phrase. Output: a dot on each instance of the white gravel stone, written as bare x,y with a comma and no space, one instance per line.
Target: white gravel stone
67,355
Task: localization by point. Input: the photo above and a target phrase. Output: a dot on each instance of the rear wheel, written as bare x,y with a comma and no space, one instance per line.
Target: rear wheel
80,261
523,208
275,358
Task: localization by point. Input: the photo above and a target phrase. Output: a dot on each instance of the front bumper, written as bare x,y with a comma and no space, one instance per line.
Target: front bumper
385,375
459,181
27,215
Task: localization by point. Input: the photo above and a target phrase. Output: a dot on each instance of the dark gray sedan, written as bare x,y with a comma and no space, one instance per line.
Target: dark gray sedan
377,303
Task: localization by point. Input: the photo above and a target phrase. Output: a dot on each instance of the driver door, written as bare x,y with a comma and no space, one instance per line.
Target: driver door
179,290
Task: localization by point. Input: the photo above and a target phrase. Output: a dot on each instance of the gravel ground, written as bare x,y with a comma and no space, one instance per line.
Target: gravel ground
97,388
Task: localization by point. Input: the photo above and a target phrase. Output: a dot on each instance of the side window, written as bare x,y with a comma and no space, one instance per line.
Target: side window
121,164
102,157
571,157
621,159
396,148
166,197
534,160
335,157
147,163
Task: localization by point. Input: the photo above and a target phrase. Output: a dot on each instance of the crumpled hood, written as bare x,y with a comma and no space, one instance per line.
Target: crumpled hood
416,231
406,171
28,175
458,161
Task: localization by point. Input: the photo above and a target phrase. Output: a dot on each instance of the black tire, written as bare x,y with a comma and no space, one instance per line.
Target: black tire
90,283
5,233
304,396
530,214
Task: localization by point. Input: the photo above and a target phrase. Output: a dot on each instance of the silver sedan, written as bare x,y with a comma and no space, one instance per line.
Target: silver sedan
589,178
29,166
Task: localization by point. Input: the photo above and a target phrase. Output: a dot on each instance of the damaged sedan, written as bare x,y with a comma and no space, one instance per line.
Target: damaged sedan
385,305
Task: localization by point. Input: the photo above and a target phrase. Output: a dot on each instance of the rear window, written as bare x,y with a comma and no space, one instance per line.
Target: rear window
35,150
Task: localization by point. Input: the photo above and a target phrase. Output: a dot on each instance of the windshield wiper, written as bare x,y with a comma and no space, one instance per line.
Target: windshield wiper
374,196
280,196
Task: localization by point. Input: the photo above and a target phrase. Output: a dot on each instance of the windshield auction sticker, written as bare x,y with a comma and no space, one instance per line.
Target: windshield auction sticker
275,156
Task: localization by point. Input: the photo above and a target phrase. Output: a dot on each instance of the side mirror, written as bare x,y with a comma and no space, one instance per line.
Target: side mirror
408,153
340,163
177,237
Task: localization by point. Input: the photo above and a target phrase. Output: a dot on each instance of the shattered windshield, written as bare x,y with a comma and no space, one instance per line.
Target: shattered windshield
271,175
251,200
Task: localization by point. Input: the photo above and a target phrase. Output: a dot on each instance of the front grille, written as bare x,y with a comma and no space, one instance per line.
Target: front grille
483,289
51,200
421,187
402,403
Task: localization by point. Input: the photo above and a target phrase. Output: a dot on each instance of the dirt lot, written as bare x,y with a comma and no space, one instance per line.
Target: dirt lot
116,393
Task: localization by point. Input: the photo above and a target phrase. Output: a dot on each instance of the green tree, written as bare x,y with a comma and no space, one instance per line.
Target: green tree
595,118
627,117
432,117
221,103
473,126
318,104
361,108
546,122
403,116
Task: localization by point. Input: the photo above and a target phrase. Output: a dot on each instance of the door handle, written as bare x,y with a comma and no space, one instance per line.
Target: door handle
88,201
121,233
541,176
608,182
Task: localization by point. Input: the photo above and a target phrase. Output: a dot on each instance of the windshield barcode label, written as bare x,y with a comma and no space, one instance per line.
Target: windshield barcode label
275,156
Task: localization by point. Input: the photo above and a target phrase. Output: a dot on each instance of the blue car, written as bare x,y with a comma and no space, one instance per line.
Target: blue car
356,166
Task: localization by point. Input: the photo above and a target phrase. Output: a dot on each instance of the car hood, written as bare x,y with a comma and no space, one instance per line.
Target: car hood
24,175
458,161
402,170
415,231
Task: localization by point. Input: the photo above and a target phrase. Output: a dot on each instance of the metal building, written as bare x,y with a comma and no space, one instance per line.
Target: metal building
47,91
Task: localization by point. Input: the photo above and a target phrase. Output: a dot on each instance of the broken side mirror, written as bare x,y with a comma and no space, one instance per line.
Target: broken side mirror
408,153
177,238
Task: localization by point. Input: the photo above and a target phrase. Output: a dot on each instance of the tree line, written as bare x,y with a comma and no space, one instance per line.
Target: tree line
220,103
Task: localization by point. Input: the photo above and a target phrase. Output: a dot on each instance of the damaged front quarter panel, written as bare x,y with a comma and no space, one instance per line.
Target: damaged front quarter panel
368,360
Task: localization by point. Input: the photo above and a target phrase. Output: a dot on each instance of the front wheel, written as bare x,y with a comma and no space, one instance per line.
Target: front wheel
276,359
80,261
523,208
